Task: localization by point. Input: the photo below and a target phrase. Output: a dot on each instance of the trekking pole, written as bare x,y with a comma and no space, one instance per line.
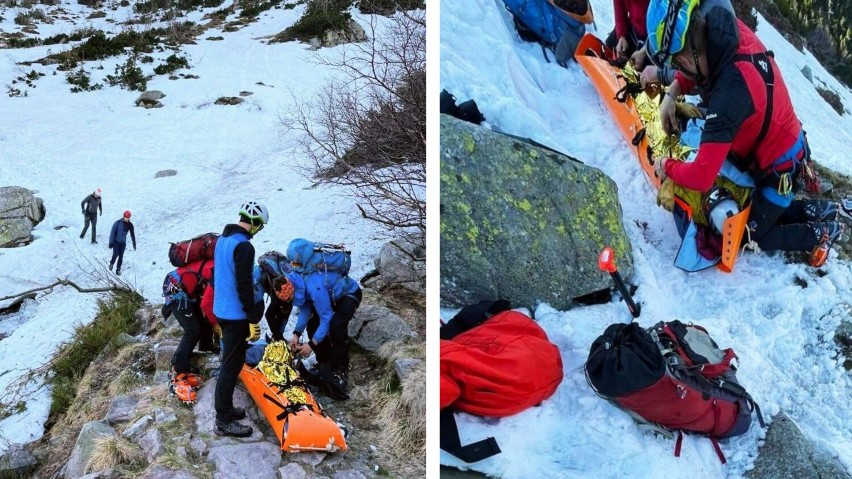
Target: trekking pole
606,262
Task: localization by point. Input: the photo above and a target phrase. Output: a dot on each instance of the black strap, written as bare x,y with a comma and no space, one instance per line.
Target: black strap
472,316
451,443
764,67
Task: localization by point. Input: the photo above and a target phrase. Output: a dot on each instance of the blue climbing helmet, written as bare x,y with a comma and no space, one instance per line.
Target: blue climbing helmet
668,22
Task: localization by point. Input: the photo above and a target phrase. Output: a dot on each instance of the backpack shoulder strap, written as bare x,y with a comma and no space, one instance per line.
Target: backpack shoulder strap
764,68
451,442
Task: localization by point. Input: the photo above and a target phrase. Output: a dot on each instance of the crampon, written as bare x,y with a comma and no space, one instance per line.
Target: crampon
194,380
184,391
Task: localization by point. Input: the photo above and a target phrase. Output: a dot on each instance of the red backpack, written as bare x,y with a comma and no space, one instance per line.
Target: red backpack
196,249
673,377
494,362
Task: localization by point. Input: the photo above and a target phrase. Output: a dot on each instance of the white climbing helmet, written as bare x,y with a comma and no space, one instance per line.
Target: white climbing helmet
255,211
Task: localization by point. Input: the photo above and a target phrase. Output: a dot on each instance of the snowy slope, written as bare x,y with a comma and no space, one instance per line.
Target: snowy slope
65,145
779,329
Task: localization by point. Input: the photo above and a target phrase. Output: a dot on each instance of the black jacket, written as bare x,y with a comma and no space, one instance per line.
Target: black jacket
91,204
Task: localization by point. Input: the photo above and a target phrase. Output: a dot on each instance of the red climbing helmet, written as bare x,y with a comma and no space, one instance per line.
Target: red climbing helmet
127,213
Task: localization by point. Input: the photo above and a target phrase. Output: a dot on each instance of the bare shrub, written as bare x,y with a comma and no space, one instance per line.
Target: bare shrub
366,130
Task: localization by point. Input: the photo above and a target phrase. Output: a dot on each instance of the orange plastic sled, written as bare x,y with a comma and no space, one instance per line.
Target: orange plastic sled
593,55
298,427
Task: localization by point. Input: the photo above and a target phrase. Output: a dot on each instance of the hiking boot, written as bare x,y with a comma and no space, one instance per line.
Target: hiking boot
110,266
334,383
827,233
183,391
310,375
118,272
238,413
94,242
231,428
81,236
821,210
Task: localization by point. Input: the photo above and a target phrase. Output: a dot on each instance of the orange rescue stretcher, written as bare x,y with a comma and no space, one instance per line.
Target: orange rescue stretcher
593,55
299,427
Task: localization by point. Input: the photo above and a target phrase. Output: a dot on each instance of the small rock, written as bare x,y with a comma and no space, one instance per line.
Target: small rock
229,100
309,458
163,354
403,367
150,98
246,93
135,429
258,460
161,472
199,446
165,173
164,416
333,460
292,471
121,409
106,473
124,339
152,444
17,462
349,474
374,325
85,447
181,451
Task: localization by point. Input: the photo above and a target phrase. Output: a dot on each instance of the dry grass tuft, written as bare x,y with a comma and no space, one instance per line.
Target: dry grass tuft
113,451
402,406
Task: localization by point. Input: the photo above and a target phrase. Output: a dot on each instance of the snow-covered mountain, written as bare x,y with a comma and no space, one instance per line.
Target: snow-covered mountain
776,315
65,145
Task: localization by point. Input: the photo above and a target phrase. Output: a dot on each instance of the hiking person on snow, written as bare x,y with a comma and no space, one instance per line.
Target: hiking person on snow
750,120
270,278
188,295
326,301
234,306
90,206
118,240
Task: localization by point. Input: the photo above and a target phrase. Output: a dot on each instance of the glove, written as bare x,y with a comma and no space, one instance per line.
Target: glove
294,342
254,332
110,246
217,330
84,212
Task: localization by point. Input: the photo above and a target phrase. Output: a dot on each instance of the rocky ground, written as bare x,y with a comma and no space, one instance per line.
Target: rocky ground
124,423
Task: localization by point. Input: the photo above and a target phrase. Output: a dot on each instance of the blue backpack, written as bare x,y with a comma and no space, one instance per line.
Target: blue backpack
307,257
542,22
274,264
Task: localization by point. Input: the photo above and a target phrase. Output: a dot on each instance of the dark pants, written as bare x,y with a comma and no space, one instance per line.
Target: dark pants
90,218
777,228
117,252
234,334
334,349
277,315
190,319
